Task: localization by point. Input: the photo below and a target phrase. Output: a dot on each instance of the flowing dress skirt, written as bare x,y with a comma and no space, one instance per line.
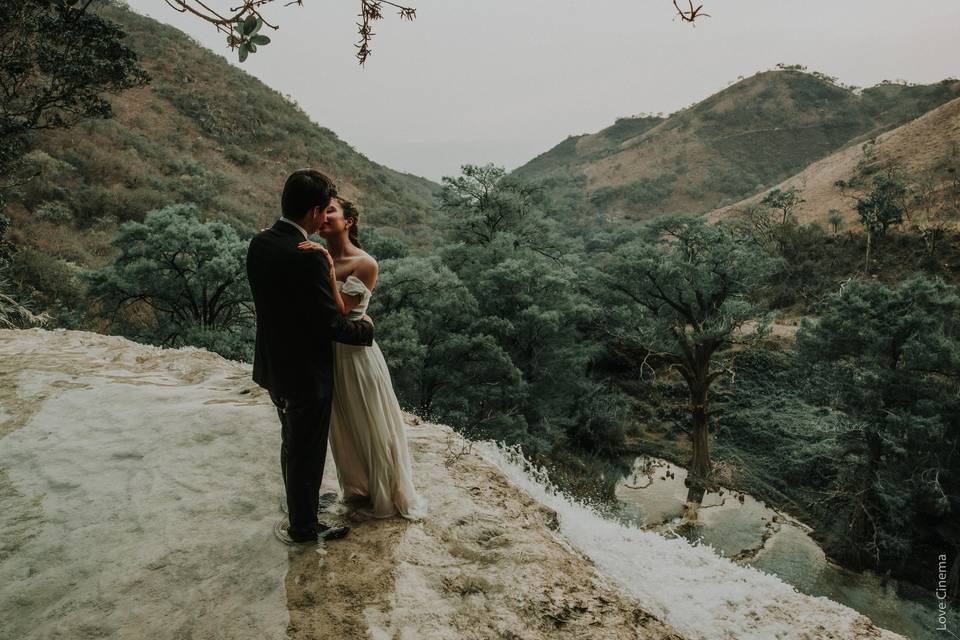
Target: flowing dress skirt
368,435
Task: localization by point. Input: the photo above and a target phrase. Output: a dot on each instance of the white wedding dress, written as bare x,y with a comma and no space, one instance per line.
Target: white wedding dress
367,431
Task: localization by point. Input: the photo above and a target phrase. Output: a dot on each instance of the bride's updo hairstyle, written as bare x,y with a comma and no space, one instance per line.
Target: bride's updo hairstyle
350,212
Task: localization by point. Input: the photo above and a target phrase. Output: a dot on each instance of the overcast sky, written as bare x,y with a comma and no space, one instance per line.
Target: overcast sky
504,80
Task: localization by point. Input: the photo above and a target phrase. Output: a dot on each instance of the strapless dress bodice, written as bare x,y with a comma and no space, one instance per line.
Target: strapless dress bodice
354,286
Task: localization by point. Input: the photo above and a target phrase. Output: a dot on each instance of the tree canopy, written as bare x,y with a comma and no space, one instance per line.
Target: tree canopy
179,281
889,358
59,58
683,293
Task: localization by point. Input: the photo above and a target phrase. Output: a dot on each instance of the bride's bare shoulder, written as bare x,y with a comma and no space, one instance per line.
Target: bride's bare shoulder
367,269
365,258
363,261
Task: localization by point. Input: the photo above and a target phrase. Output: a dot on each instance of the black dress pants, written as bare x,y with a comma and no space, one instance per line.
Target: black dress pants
304,427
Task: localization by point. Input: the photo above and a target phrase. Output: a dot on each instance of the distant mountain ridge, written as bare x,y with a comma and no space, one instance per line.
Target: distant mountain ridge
926,149
731,145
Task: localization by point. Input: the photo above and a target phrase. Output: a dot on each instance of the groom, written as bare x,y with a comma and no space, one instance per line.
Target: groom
297,317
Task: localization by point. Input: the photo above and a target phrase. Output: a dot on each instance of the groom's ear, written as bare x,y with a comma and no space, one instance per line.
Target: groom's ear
311,217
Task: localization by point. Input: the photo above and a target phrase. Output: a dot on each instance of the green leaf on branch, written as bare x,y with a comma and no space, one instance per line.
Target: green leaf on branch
250,25
260,40
244,52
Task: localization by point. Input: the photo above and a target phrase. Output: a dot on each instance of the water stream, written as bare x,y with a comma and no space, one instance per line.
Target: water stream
751,533
689,585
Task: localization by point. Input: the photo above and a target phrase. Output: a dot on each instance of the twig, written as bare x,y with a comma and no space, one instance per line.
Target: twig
370,12
692,13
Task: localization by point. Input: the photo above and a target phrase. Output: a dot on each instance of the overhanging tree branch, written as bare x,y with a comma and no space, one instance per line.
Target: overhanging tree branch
242,23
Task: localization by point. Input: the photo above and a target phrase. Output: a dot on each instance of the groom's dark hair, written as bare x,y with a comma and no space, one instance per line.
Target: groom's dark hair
303,190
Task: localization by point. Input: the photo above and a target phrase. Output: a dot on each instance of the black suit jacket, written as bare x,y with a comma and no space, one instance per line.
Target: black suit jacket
297,315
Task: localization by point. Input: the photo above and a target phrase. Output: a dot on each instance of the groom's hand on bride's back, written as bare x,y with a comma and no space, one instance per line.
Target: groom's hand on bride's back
367,318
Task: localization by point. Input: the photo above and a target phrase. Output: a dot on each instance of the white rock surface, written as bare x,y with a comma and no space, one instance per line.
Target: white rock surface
139,488
699,593
138,492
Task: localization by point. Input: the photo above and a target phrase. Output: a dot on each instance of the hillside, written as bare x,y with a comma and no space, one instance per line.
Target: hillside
157,490
925,152
202,131
749,136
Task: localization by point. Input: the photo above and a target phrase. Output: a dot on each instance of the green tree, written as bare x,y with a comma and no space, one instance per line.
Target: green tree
6,247
884,205
490,334
879,209
806,269
381,246
444,365
784,202
683,293
58,59
484,205
179,281
538,310
527,279
13,313
835,219
889,358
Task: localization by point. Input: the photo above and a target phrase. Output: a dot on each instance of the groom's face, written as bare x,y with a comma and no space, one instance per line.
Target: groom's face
318,216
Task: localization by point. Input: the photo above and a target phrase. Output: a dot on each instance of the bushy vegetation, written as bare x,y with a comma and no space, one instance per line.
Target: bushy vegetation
179,281
625,128
861,412
13,313
682,293
889,359
58,61
202,133
639,195
493,334
862,417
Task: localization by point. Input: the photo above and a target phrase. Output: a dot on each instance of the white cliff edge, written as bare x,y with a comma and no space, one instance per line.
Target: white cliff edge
139,488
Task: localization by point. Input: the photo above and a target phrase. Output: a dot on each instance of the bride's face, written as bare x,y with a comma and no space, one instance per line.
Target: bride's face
335,223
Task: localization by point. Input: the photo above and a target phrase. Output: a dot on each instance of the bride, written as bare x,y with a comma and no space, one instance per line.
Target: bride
367,431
